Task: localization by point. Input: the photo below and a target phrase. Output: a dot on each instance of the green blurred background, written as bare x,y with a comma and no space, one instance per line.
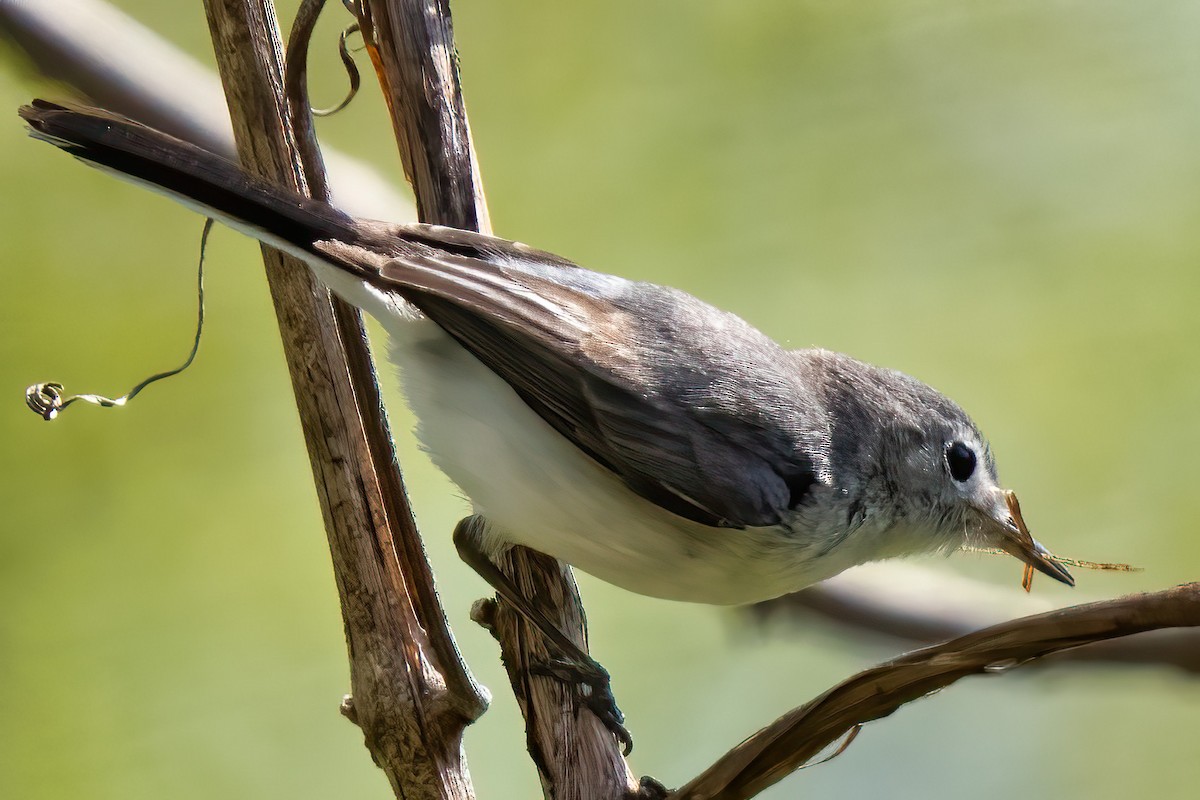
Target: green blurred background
1000,199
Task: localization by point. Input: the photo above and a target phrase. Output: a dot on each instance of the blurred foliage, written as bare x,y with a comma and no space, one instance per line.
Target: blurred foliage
1000,199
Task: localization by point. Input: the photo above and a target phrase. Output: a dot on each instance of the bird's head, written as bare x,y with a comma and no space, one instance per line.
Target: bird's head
922,459
949,478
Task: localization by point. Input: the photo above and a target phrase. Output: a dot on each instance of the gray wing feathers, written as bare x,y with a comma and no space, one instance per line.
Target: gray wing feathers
649,382
679,400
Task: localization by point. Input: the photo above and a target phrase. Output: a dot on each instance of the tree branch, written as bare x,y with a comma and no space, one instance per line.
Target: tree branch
913,604
792,740
411,43
412,695
77,40
115,62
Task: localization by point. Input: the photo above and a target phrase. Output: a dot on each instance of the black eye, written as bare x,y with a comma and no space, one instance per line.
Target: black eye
961,460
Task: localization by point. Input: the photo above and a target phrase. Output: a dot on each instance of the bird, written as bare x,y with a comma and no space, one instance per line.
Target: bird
628,429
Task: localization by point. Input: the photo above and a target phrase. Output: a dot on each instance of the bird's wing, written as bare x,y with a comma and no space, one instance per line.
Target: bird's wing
674,406
602,374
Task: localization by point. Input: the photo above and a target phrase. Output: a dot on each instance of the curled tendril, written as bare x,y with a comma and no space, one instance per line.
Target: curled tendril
351,72
45,399
48,399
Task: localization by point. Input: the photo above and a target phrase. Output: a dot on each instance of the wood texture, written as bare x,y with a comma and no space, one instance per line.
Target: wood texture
411,43
795,738
412,696
907,604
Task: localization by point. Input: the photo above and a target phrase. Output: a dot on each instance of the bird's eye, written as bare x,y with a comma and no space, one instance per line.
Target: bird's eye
961,461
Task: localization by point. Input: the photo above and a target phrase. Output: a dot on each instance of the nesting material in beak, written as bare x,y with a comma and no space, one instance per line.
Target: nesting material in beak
1016,541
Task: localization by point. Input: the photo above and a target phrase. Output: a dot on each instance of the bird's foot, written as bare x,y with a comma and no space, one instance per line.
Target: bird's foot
593,687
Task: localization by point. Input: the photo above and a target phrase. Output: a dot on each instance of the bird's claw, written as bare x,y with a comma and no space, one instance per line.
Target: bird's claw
593,687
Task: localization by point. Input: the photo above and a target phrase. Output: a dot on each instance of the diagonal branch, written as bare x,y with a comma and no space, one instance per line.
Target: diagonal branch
795,738
917,605
116,63
412,693
104,54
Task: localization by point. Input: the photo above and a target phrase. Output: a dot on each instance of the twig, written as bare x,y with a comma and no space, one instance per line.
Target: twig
411,43
798,736
412,696
118,64
111,44
919,605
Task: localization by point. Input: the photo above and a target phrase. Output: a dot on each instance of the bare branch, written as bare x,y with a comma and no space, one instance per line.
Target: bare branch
919,605
115,62
412,694
411,43
77,40
798,736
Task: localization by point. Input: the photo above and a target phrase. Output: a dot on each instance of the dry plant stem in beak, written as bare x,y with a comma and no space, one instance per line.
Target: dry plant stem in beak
1016,541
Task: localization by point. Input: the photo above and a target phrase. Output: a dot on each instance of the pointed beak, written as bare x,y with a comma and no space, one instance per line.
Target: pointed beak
1014,538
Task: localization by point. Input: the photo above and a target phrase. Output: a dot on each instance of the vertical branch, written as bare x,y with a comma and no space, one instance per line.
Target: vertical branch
412,696
411,43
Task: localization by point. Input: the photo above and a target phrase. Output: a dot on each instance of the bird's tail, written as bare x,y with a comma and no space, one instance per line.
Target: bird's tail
190,175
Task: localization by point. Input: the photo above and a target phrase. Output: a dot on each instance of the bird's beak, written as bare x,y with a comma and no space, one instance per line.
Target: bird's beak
1014,538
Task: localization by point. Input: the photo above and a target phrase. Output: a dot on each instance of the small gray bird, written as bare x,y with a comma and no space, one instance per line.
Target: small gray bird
625,428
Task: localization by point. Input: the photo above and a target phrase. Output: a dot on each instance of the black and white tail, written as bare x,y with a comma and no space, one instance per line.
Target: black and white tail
197,178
